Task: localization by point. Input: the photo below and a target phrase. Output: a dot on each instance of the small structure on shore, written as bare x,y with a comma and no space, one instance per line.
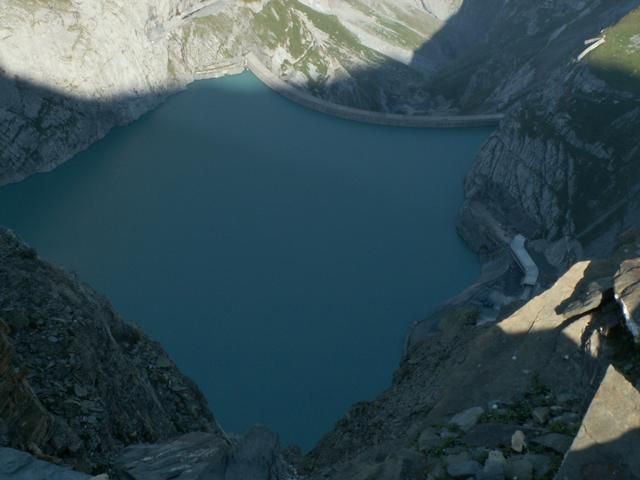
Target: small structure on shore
526,263
592,44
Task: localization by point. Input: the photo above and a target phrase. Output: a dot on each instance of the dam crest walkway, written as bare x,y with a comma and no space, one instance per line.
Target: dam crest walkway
251,62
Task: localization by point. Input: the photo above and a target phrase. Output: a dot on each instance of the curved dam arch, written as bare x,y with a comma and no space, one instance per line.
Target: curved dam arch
305,99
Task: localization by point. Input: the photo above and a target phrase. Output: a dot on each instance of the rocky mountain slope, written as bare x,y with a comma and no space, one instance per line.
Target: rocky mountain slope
70,70
77,382
563,166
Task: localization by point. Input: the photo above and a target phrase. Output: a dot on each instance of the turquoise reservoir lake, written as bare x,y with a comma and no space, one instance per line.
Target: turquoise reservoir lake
278,254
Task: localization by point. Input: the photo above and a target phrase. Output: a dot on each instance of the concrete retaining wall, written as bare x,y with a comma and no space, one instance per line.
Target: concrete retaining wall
314,103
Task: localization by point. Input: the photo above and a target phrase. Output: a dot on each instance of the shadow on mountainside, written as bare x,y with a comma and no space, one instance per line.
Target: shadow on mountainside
564,162
485,57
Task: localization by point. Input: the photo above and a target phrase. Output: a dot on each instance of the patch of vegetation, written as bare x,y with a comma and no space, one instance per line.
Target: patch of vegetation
219,24
617,61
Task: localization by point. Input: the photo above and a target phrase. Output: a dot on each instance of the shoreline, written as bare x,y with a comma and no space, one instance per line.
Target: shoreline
251,63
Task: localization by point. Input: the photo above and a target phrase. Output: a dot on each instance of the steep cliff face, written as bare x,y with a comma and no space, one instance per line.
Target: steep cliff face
499,51
77,382
564,163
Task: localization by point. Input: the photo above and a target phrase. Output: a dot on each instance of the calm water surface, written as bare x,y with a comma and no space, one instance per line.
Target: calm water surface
277,253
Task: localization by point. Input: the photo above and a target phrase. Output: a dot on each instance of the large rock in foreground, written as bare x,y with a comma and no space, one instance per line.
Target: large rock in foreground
608,443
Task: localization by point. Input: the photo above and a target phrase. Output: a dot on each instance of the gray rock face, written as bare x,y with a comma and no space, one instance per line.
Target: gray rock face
189,457
16,465
608,442
257,457
99,386
627,294
24,421
204,456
